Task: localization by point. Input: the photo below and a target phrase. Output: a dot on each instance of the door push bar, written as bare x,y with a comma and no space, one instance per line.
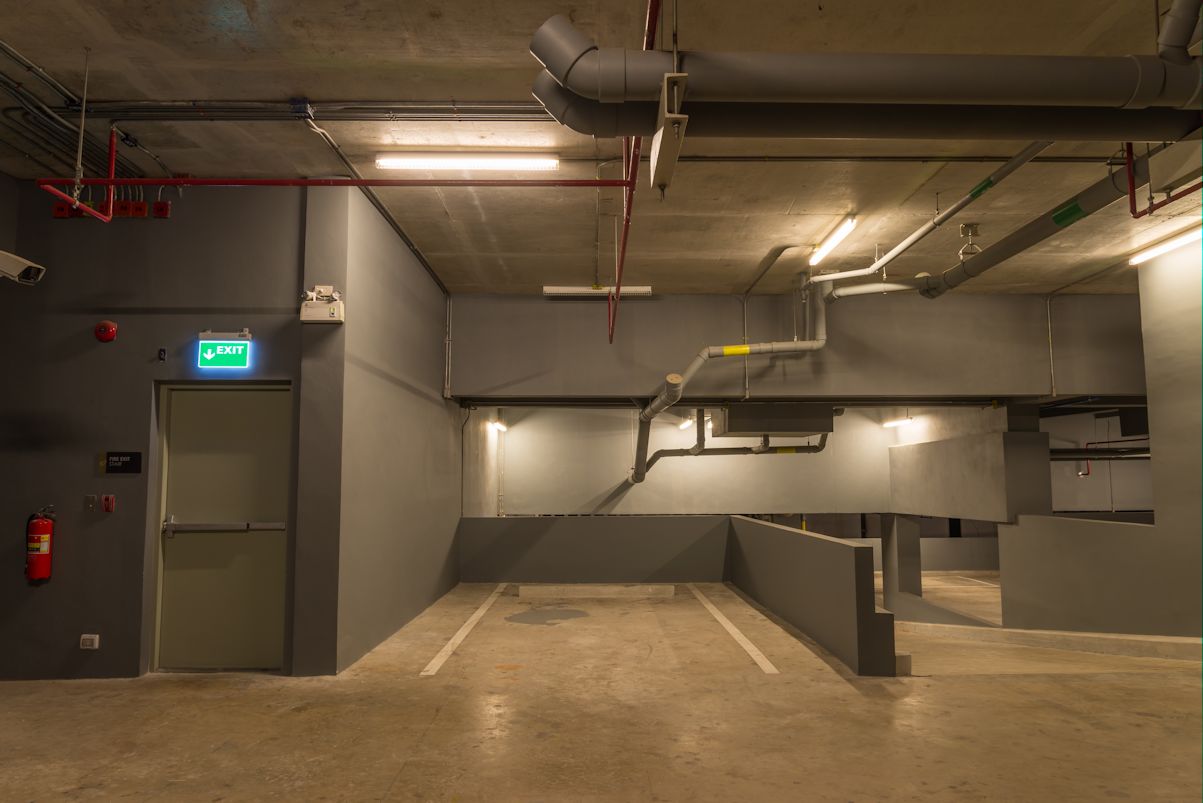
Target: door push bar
171,527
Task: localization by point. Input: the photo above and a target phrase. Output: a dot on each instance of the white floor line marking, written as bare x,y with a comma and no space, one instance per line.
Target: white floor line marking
974,579
437,662
742,640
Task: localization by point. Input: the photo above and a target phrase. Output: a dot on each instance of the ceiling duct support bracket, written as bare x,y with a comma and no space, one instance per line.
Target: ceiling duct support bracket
670,131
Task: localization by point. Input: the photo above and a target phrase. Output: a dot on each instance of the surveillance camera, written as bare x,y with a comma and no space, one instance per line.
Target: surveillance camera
20,270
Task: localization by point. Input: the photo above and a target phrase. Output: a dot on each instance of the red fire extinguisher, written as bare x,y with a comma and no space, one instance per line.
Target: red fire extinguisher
39,536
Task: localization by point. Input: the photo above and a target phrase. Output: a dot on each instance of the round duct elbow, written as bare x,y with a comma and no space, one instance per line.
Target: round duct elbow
558,45
591,117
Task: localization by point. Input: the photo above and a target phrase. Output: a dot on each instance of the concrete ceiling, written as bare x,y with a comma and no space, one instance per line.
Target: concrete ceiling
720,217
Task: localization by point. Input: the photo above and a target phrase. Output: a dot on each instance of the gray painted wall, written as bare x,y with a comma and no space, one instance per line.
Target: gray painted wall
373,427
561,460
1062,573
899,345
593,549
162,281
930,424
948,554
990,477
1111,484
401,440
823,586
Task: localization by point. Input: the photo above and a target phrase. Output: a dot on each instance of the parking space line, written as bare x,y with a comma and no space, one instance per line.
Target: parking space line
974,579
755,654
437,662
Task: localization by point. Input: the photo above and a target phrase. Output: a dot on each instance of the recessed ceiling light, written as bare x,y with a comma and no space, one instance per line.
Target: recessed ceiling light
1167,246
833,239
511,162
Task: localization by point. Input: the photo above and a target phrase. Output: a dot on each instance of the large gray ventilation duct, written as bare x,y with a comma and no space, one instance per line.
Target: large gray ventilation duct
615,92
1179,30
868,121
615,75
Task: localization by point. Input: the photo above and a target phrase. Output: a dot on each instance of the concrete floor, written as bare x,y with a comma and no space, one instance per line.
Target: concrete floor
619,699
975,594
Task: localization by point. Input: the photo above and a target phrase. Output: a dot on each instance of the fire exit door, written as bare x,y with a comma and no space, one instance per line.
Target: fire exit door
224,542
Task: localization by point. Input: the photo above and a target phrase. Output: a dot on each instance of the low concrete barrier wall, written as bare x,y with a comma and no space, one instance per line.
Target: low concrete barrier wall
821,585
592,549
1102,576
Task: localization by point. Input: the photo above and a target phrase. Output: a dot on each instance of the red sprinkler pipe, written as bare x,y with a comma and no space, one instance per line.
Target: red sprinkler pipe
1130,162
107,215
630,152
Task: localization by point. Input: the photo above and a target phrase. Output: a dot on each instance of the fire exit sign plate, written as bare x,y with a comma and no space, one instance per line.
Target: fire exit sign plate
223,354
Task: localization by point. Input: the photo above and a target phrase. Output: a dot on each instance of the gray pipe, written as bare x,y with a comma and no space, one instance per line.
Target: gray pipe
674,384
877,288
1095,197
699,420
980,189
864,121
763,448
1129,453
769,261
615,75
1177,31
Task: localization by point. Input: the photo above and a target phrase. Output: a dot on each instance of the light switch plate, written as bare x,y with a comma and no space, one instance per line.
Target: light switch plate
89,641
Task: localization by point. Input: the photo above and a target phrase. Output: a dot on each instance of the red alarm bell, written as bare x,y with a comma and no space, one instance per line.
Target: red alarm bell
106,331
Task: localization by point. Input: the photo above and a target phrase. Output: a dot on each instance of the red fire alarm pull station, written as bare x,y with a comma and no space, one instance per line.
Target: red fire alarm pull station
106,331
108,503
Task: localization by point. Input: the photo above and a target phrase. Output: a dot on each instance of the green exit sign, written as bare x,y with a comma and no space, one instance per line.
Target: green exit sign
223,354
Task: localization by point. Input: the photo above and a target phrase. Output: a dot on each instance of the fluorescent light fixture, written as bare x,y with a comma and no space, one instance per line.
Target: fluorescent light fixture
686,424
589,291
898,422
833,239
1167,246
511,162
497,426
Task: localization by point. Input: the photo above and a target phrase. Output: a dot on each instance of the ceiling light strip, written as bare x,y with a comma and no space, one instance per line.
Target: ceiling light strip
508,162
1169,245
835,238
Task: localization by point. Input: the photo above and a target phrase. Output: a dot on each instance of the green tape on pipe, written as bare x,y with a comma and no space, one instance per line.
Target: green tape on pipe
1072,212
980,188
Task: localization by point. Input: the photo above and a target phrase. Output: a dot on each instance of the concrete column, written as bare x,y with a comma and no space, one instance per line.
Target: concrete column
314,636
901,567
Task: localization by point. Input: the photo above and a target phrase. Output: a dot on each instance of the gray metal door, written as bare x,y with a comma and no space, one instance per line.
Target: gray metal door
224,545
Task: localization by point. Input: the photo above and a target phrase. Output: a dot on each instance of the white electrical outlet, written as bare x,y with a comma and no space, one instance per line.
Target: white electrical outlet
89,641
